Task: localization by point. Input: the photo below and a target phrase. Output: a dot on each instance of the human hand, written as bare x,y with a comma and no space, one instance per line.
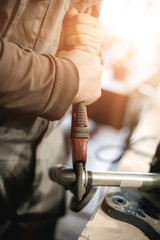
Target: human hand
83,41
90,72
83,32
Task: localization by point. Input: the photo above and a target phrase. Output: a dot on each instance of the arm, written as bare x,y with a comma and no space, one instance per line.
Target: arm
46,85
41,84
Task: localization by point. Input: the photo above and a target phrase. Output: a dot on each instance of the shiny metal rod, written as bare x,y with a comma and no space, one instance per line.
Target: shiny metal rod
67,177
124,179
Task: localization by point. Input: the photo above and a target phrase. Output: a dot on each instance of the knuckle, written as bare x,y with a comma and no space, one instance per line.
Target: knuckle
78,18
77,28
89,49
80,39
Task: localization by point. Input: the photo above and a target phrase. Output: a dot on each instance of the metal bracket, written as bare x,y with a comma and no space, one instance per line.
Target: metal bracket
129,206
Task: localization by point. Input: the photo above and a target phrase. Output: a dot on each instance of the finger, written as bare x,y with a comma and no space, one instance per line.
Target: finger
88,49
70,13
83,29
82,18
83,40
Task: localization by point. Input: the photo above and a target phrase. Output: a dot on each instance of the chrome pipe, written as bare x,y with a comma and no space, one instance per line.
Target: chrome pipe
67,177
124,179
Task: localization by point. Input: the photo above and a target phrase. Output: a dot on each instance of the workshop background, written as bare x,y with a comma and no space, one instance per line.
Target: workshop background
130,83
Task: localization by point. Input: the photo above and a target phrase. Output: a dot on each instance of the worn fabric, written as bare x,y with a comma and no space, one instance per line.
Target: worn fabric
36,90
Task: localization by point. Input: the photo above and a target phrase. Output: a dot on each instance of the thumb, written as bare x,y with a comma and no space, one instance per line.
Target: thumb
71,13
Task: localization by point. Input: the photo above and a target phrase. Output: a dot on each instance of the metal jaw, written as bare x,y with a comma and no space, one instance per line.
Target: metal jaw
67,178
80,185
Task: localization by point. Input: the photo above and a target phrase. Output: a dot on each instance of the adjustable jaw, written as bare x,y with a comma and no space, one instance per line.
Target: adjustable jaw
79,135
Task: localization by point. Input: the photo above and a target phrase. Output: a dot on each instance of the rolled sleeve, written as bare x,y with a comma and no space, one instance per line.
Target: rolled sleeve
40,84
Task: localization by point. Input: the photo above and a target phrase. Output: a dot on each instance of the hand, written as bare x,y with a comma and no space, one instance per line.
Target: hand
90,72
82,32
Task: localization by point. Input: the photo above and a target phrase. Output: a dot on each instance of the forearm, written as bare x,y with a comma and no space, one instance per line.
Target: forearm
41,84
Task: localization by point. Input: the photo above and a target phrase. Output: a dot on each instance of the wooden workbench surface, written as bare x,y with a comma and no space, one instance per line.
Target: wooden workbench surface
101,226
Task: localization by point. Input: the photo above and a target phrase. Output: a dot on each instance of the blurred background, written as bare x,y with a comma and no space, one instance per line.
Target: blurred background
130,83
131,60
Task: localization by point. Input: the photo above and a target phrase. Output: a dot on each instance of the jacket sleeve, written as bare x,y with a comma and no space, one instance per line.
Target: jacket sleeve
40,84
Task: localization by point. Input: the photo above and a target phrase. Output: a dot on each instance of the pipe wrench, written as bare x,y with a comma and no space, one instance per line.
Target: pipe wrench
80,135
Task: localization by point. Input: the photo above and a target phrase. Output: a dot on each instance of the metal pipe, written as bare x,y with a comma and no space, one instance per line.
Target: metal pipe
124,179
67,177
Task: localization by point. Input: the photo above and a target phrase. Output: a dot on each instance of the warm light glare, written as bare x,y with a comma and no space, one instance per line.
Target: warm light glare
131,46
136,21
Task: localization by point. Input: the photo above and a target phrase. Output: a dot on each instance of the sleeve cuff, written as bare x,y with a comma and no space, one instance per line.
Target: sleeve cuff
64,90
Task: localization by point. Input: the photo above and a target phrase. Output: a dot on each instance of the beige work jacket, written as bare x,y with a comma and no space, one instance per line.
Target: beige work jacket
35,85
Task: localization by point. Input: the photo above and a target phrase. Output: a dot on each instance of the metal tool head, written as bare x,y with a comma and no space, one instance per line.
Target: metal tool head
90,190
80,184
68,178
77,206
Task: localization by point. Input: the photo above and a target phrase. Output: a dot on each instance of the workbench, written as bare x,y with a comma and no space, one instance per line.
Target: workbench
146,136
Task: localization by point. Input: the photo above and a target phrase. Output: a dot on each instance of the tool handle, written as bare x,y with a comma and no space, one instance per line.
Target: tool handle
79,133
79,121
